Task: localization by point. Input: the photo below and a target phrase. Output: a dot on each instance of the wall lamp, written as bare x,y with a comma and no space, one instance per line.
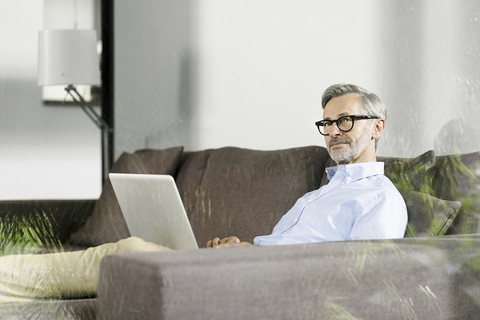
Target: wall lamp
69,57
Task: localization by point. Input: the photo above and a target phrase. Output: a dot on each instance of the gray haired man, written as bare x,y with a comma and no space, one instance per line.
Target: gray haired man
359,202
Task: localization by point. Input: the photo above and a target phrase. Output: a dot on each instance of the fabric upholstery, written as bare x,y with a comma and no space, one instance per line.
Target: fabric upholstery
165,161
190,176
428,215
106,223
457,177
233,191
411,173
401,279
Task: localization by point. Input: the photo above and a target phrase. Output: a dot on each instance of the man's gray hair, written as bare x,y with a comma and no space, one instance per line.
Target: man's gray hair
371,103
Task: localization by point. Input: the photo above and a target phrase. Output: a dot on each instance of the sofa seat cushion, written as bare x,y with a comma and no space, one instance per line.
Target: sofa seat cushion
242,192
106,223
380,279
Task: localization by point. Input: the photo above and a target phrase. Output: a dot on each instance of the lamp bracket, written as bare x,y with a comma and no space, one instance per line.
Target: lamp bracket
88,109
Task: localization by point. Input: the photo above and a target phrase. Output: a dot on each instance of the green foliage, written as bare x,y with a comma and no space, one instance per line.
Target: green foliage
26,233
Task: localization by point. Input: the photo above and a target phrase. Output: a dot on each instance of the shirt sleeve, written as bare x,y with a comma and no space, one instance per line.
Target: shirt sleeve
384,217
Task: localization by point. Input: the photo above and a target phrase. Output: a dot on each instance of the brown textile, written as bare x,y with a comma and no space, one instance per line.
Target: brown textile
233,191
106,223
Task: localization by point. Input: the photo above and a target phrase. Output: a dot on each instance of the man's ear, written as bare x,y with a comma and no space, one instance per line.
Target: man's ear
378,128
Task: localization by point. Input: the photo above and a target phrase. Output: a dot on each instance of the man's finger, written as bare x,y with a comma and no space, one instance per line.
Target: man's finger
233,239
224,242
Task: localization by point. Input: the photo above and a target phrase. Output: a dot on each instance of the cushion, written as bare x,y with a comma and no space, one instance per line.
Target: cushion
411,173
457,177
242,192
161,161
190,176
106,223
60,275
428,215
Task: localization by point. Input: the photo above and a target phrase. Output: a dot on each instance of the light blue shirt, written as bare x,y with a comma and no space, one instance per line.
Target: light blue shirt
359,202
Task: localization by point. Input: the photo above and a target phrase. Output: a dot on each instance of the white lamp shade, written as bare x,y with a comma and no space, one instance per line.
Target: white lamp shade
68,57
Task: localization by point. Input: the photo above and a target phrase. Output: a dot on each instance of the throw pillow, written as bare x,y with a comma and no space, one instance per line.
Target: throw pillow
106,223
411,173
457,177
428,215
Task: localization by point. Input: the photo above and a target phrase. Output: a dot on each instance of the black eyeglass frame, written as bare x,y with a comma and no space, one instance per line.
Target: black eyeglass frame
322,123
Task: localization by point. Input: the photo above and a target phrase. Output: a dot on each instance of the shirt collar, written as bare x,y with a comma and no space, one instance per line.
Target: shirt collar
356,171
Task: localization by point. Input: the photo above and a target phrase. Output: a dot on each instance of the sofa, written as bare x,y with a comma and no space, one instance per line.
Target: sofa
431,273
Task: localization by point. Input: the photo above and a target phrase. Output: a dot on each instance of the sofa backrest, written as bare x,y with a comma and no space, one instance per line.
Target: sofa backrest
106,222
243,192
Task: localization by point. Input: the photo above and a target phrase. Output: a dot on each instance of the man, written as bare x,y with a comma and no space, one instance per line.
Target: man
359,202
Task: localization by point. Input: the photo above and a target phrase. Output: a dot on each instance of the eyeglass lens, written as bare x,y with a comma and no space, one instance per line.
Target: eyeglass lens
344,124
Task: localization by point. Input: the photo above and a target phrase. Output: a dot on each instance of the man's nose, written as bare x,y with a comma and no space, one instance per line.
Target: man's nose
334,131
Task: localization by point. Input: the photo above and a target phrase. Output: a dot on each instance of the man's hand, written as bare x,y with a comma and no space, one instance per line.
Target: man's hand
227,242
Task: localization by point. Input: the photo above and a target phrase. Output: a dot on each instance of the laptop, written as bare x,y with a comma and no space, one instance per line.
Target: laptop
153,209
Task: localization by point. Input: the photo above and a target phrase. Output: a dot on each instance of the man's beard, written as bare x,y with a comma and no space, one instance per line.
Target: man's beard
353,150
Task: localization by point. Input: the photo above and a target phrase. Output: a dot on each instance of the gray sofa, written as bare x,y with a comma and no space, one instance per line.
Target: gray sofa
232,191
408,279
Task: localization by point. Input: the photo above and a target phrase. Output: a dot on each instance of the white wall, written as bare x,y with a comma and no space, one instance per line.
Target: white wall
45,151
430,71
249,73
262,67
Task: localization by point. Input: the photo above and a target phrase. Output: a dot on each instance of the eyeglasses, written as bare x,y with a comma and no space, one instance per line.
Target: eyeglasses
344,123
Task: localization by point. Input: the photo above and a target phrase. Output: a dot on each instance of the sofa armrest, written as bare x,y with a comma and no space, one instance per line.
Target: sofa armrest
44,222
365,279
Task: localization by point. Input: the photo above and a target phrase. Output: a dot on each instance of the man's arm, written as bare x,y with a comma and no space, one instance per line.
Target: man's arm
227,242
386,219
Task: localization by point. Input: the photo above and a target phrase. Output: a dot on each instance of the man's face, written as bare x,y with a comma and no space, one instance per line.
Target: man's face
356,145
